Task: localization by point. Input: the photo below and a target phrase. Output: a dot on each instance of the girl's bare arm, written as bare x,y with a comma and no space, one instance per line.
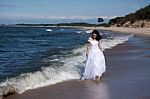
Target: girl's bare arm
87,50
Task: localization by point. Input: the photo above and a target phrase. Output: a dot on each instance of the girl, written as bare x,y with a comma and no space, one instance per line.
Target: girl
95,60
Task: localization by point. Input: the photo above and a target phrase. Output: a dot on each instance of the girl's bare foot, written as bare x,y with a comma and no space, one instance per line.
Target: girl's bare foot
97,79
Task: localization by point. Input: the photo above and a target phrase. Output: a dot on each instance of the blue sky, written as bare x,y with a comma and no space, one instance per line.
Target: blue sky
57,11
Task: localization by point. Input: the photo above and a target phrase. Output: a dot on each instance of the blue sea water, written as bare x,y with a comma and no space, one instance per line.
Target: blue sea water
22,49
32,57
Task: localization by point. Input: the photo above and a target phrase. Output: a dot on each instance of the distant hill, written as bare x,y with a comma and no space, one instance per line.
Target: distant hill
59,24
141,18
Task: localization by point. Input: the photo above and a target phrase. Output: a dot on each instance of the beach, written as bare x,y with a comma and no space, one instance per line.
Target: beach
59,49
136,31
126,77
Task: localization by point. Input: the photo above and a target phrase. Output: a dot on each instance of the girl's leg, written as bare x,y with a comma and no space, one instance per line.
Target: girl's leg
97,77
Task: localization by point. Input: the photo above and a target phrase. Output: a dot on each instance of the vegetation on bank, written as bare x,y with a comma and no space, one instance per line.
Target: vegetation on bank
60,24
65,24
142,14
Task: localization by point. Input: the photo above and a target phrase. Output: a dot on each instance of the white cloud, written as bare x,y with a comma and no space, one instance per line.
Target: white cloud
35,16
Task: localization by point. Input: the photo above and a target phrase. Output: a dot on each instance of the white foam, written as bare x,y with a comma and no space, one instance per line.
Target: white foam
109,43
88,31
51,75
46,76
49,30
79,32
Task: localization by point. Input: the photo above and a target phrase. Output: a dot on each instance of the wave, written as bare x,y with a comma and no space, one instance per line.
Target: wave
88,31
49,30
79,32
71,69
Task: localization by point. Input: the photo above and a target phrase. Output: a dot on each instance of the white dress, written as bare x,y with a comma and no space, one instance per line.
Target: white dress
95,63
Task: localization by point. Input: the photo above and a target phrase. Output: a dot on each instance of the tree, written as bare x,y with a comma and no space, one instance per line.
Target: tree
100,20
141,14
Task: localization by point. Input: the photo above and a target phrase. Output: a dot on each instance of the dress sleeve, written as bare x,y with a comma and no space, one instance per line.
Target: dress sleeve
89,39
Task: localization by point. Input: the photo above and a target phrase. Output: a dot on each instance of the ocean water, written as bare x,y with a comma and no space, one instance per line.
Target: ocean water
32,57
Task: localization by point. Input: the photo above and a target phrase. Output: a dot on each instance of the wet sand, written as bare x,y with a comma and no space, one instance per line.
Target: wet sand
127,77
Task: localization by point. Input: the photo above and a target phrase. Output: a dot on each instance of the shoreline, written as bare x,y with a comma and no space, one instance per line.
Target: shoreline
127,30
135,31
126,77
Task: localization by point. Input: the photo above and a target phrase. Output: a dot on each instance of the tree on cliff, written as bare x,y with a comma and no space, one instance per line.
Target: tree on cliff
100,20
141,14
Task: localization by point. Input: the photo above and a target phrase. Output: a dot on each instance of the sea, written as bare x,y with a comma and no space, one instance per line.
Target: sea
32,57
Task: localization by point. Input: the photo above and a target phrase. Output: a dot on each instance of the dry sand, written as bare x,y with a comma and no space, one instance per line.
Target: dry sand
137,31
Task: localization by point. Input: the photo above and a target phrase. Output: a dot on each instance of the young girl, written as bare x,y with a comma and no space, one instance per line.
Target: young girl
95,60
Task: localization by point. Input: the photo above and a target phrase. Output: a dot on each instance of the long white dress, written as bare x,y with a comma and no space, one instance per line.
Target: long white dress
95,63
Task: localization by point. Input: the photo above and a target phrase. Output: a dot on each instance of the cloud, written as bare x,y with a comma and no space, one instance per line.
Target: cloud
35,16
12,18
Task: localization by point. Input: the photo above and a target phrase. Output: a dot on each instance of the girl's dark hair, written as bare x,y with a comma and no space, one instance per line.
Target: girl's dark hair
98,36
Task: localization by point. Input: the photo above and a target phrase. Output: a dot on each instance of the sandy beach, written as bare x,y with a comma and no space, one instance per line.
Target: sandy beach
136,31
127,77
81,49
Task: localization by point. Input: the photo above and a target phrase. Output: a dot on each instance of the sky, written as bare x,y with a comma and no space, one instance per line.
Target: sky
60,11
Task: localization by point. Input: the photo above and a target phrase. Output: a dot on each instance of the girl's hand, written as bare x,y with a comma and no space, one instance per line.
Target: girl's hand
86,56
